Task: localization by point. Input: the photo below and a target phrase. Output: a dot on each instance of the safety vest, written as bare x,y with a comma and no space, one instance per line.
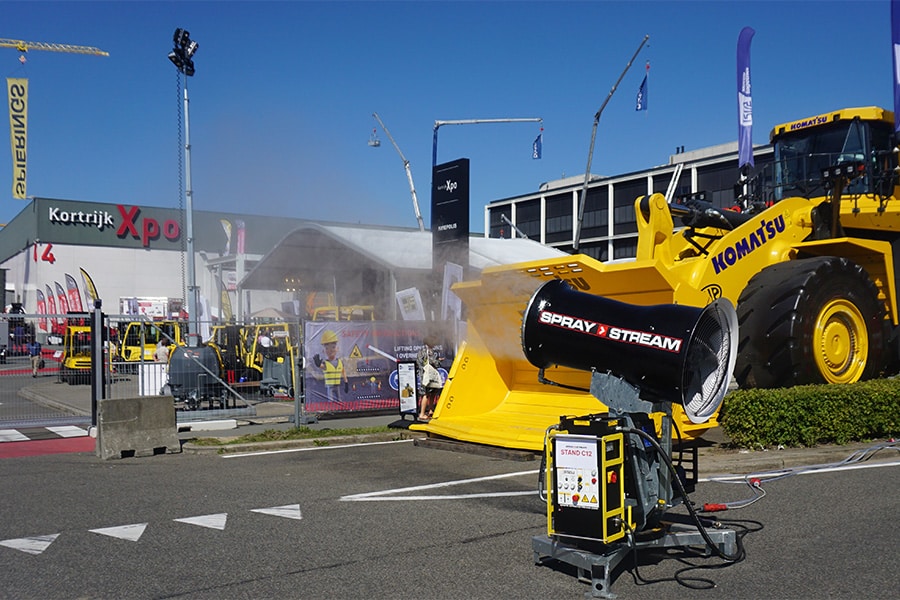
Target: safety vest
333,372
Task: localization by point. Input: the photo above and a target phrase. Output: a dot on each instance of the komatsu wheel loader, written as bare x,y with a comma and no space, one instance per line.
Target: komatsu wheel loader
807,256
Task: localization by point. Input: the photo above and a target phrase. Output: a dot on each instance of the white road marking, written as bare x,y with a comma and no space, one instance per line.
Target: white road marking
809,470
68,431
381,496
216,521
11,435
285,451
289,511
31,545
131,533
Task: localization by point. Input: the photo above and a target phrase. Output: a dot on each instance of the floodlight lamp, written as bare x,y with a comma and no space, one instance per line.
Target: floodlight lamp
182,37
188,68
191,48
176,59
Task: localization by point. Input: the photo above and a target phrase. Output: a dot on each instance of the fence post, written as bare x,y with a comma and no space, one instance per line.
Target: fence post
97,371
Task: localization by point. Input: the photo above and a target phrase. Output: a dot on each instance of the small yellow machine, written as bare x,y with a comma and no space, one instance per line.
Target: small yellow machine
138,340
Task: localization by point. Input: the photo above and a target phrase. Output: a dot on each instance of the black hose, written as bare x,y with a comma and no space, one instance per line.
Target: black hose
667,459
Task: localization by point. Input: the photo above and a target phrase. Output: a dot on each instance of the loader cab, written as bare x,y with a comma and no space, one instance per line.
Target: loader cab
804,148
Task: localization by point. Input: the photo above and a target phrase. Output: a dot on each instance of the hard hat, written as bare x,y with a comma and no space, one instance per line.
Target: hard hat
328,336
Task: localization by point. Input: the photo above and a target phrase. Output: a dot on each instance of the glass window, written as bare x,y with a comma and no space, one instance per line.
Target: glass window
498,227
559,218
596,212
625,248
625,193
596,250
528,218
717,182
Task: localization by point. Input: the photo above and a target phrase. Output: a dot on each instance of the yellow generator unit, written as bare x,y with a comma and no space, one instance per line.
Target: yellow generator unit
806,256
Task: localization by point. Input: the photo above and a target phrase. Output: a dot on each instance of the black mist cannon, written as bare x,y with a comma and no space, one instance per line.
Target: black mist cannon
609,476
672,353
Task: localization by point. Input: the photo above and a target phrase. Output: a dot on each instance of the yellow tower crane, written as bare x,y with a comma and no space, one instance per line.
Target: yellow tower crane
23,47
18,116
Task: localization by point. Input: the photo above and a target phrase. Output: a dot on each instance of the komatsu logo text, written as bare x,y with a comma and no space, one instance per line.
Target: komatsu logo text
730,255
615,334
809,123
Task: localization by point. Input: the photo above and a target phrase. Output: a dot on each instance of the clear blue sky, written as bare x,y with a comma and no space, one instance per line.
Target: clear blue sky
281,104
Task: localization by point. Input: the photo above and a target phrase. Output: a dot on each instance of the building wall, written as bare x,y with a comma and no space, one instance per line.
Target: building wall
608,228
132,251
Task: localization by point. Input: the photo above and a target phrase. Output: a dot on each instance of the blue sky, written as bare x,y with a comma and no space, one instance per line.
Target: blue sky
281,104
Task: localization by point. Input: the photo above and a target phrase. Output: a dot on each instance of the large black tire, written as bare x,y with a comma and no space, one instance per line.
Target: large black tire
815,320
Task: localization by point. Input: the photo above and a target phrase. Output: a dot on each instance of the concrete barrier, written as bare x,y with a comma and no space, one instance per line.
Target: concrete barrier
142,426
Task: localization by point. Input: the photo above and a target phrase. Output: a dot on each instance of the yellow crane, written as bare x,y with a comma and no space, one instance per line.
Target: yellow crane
23,46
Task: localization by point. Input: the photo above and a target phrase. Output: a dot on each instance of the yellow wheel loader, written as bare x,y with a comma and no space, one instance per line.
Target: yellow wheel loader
806,255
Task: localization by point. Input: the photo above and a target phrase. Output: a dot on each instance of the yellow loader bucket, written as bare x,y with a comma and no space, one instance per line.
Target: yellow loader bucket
492,395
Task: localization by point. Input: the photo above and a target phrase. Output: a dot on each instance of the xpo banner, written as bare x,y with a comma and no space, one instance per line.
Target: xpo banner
450,214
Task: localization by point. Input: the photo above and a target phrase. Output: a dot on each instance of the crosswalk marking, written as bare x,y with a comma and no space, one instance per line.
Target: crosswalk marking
68,431
25,434
12,435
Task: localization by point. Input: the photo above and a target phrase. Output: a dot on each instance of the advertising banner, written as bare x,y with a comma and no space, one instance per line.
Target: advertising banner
74,295
41,310
450,214
352,365
406,379
51,305
745,102
61,298
895,57
17,94
89,288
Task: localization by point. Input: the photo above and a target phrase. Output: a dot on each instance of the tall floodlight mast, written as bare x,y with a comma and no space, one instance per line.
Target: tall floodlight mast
182,57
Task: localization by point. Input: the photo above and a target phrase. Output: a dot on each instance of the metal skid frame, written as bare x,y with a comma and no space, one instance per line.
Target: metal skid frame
597,567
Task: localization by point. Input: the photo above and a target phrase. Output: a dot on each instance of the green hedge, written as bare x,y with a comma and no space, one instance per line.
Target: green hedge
812,414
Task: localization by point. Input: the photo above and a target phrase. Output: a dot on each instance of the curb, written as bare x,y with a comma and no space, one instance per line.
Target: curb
189,447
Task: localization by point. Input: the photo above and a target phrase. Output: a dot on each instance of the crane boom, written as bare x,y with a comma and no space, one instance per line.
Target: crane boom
412,187
23,46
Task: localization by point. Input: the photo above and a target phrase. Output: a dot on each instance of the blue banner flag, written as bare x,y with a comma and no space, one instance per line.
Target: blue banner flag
745,103
641,103
537,147
895,52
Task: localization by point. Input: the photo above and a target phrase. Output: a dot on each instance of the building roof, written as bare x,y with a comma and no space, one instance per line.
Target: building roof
313,252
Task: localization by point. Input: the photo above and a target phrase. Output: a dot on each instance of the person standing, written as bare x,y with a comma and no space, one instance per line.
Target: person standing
162,353
427,362
34,351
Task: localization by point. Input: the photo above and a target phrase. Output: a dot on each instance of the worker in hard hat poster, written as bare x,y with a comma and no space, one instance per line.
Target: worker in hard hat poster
332,367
